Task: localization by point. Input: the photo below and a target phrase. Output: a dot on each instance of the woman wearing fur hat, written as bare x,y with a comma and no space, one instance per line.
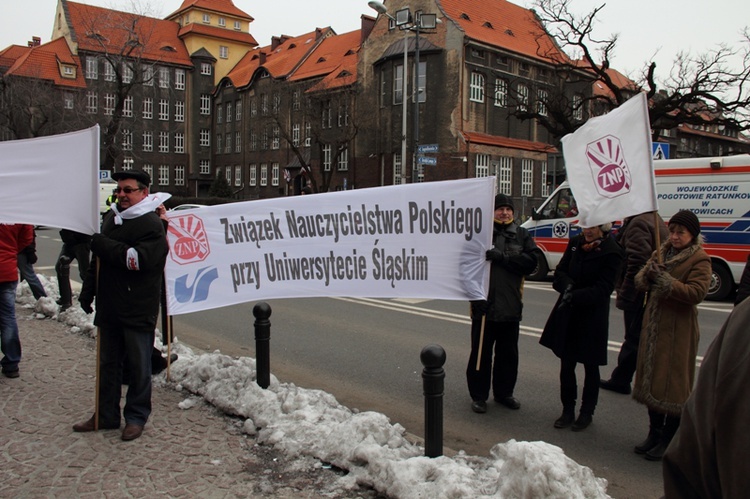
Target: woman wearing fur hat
669,340
578,327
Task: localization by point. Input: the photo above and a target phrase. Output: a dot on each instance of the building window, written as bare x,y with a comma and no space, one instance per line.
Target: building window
296,98
397,169
92,68
501,93
149,169
205,104
179,142
253,141
163,141
223,51
109,71
524,69
127,163
127,107
264,139
163,110
148,108
238,111
326,115
253,175
482,165
541,102
205,68
205,137
109,104
179,79
237,142
422,87
398,84
222,22
205,167
308,134
127,72
274,174
179,111
527,177
263,104
327,157
148,141
253,108
343,118
219,114
343,163
275,138
206,19
163,77
263,174
68,99
237,176
148,76
179,175
505,175
92,102
295,134
127,140
276,102
163,174
523,97
229,112
237,25
228,144
218,142
577,107
476,87
545,187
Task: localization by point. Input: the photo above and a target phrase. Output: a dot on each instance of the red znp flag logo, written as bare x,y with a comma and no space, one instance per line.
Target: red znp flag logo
188,241
608,167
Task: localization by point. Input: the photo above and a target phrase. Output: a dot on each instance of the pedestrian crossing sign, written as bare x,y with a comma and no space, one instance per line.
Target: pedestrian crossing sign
660,150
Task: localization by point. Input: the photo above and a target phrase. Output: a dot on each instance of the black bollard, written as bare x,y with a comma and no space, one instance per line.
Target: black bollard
262,311
63,282
433,377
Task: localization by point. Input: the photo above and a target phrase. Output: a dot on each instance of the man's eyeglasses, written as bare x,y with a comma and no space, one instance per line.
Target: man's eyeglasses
127,190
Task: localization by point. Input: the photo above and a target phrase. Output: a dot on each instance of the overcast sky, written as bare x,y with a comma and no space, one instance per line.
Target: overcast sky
644,25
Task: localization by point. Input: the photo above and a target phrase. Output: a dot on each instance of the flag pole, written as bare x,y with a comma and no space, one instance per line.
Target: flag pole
481,341
98,356
658,237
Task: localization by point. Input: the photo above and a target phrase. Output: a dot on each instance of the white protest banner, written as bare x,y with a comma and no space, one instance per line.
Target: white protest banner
610,165
52,181
423,240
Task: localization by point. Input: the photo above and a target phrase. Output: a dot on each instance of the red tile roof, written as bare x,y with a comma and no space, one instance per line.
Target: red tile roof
10,54
220,6
104,30
220,33
279,61
494,140
330,54
43,62
503,24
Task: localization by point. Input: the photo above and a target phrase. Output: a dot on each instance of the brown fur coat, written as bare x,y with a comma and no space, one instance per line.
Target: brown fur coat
669,338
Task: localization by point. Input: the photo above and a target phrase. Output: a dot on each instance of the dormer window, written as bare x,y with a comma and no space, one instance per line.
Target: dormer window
68,71
465,16
487,25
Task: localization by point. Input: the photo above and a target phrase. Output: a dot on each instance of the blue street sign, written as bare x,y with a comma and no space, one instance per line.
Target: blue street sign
104,174
427,160
660,150
423,148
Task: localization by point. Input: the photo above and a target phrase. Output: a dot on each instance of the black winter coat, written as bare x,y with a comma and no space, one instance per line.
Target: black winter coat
125,295
506,279
580,330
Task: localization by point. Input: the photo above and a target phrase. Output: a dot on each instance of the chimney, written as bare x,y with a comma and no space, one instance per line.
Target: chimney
262,58
275,42
35,41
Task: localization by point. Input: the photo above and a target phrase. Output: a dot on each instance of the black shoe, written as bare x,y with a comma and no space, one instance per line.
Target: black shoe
583,421
565,420
613,386
652,440
11,374
509,402
657,452
479,406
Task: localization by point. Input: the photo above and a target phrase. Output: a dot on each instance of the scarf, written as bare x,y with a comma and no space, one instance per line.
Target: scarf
147,205
592,245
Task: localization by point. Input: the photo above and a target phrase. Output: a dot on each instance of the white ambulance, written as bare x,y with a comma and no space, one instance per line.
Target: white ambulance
717,190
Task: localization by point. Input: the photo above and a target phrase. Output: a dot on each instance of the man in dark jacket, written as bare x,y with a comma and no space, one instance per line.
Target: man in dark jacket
638,237
512,257
76,246
132,250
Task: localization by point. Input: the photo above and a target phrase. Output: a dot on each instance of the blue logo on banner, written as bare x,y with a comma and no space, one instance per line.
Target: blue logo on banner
198,291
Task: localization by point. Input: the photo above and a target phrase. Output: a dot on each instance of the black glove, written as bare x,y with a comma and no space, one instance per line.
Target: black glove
479,308
653,271
496,255
567,297
30,253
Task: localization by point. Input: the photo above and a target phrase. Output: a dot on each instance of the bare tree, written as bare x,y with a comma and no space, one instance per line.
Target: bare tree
705,89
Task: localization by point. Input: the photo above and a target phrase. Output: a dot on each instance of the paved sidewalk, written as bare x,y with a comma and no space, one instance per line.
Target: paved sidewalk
196,452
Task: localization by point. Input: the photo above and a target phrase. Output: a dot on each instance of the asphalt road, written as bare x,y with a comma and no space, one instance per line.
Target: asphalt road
366,353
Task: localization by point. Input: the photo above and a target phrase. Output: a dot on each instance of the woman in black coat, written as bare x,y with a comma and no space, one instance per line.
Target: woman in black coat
578,327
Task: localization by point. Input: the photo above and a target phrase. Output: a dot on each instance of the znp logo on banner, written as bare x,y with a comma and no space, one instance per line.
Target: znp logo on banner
606,159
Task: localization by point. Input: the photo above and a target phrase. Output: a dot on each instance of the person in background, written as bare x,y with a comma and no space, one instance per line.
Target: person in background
743,290
638,236
512,257
132,250
707,455
76,246
669,339
577,330
13,239
26,260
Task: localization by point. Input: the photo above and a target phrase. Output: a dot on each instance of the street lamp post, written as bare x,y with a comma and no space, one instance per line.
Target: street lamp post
404,21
